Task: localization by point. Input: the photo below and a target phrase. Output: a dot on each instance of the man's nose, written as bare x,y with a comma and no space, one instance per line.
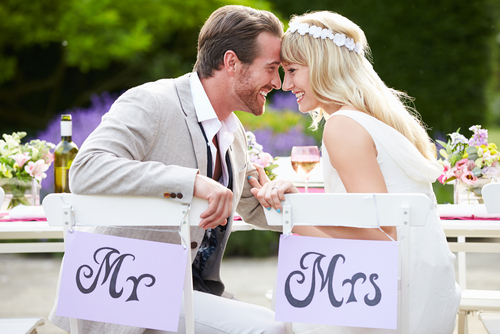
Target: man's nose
276,81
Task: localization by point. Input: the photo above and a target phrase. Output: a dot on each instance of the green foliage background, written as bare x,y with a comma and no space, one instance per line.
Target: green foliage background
444,53
55,54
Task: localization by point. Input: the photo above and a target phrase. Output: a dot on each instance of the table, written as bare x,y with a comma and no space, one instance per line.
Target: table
36,230
41,231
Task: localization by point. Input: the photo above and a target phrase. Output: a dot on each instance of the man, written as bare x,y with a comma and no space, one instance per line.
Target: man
178,138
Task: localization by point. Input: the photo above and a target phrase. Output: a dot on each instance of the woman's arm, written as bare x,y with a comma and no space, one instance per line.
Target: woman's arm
354,155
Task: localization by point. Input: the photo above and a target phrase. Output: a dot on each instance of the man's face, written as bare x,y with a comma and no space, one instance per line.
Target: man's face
262,76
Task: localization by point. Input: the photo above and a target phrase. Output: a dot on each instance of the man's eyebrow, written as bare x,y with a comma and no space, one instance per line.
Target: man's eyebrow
274,63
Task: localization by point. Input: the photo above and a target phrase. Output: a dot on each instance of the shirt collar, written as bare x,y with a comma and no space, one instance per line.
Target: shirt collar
204,110
202,105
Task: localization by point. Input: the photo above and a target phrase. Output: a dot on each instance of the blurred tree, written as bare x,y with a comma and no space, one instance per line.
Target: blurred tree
440,52
55,54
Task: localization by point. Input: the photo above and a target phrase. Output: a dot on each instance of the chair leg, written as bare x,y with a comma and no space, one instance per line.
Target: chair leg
463,325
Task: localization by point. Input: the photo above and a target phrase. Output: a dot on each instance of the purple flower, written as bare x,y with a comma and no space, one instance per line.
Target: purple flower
284,100
480,136
281,144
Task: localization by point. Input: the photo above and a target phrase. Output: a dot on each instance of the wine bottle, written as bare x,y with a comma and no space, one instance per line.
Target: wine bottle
64,155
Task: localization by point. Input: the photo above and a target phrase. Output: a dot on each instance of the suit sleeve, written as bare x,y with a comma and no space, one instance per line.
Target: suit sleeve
114,158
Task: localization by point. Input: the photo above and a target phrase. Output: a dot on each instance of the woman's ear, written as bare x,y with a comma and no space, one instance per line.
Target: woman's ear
231,62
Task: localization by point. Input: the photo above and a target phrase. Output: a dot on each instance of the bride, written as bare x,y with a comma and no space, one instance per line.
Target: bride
372,143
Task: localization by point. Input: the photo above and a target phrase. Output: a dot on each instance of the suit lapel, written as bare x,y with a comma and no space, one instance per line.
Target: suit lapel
200,148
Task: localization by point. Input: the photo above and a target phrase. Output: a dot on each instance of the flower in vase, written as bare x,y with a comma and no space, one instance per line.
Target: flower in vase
469,159
21,165
37,169
21,159
258,156
468,177
5,172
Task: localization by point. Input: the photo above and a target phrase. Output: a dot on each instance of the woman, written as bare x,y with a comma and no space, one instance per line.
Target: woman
372,143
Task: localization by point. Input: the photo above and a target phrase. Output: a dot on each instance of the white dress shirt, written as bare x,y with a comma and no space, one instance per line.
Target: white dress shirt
213,126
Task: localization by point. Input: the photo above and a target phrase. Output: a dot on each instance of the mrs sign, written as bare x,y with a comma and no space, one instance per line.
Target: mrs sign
346,282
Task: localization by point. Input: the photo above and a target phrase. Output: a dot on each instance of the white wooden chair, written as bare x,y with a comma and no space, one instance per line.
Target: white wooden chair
67,209
483,300
356,210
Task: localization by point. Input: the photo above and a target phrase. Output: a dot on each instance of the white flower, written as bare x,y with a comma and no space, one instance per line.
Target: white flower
339,39
358,48
37,169
490,172
350,44
294,26
315,31
303,28
326,33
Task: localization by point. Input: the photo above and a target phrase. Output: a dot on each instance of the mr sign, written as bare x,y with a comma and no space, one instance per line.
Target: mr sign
123,281
337,282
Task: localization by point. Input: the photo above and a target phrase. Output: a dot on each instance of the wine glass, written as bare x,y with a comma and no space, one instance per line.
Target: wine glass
305,161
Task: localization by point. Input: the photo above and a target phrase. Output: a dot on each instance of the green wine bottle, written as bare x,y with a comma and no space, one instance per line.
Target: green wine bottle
64,155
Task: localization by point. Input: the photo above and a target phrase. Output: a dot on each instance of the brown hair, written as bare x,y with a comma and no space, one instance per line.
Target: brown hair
233,28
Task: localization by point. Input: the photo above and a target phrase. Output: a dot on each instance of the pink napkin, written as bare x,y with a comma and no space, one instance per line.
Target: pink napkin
22,216
312,190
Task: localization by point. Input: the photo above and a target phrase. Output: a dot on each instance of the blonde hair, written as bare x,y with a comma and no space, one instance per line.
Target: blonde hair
346,78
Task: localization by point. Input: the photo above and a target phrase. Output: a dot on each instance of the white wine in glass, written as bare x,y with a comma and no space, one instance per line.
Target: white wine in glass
305,161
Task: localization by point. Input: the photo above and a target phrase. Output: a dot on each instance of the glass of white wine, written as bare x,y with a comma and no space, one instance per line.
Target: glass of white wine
305,161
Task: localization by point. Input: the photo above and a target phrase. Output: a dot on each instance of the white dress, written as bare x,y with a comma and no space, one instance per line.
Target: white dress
434,294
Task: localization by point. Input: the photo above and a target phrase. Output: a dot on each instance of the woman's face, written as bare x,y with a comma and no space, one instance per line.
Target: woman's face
297,80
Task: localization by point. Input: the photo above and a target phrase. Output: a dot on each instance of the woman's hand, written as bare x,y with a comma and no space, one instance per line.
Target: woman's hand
270,193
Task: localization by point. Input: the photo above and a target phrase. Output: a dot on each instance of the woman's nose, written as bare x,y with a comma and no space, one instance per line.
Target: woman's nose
287,83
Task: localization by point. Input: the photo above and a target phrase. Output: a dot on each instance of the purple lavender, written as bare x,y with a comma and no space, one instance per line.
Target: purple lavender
284,101
281,144
84,122
480,136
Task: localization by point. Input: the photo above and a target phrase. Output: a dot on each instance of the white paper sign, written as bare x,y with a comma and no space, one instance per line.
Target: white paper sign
122,281
337,282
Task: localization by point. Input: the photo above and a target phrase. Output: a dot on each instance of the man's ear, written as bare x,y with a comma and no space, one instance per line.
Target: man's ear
231,62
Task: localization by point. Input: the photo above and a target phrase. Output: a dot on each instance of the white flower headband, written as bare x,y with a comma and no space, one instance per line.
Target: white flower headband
317,32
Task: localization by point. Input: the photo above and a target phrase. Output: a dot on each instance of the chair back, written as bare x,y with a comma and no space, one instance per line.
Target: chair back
361,210
491,197
68,210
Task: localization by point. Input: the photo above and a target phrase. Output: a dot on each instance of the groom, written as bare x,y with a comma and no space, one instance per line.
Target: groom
178,138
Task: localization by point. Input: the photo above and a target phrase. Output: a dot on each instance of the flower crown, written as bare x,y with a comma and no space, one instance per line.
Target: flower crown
317,32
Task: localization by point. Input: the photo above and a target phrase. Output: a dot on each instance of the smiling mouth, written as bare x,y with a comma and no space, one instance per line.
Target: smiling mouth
263,93
299,96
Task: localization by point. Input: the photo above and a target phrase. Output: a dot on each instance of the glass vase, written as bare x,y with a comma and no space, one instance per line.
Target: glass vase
469,193
17,191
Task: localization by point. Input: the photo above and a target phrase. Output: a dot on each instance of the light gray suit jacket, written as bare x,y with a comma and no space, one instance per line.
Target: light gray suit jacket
149,144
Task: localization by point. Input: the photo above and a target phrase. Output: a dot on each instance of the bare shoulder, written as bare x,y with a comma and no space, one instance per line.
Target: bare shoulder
340,130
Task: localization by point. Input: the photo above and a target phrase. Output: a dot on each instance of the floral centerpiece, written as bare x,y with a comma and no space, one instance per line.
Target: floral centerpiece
258,156
470,162
23,166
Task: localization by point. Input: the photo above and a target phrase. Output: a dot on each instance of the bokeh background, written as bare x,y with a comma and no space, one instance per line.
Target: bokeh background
78,56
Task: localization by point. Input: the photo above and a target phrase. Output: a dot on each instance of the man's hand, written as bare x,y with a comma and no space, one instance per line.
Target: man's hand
220,201
270,193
